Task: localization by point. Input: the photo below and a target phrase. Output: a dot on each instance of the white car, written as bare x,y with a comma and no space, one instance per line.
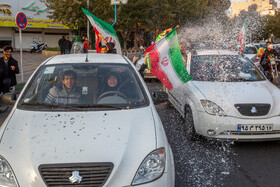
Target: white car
111,138
228,98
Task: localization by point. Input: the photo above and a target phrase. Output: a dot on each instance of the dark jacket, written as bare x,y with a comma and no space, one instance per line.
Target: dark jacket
67,44
61,42
142,70
264,58
11,73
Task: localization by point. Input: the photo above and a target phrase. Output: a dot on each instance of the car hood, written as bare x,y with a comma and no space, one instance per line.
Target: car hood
78,137
227,94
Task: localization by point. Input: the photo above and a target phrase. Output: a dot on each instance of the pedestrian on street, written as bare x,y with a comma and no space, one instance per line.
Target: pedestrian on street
61,44
8,70
260,54
83,39
85,45
67,45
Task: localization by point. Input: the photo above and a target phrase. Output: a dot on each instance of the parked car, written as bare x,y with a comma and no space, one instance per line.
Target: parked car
250,52
258,45
228,98
85,135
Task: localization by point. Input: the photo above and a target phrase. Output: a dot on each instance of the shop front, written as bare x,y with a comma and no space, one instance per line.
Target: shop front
40,28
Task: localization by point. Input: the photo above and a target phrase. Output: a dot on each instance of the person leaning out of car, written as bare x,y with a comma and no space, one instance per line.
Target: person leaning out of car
8,70
65,93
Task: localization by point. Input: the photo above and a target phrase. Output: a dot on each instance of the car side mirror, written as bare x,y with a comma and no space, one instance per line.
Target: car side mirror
159,97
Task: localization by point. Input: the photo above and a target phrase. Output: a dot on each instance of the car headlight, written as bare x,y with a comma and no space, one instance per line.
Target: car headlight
7,178
151,168
212,108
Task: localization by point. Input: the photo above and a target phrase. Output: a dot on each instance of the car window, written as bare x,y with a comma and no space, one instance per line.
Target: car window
223,68
84,87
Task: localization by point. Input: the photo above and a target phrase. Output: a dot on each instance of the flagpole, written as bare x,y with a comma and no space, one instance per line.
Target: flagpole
115,15
88,22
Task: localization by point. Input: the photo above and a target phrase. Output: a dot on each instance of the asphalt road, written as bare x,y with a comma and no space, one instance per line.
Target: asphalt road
203,162
211,163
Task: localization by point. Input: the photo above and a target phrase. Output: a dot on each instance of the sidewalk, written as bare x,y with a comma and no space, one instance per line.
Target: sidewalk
30,62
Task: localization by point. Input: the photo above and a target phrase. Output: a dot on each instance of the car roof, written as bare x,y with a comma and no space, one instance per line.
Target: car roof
92,58
250,45
215,52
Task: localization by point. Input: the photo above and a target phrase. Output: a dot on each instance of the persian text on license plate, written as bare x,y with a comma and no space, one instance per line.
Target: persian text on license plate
241,127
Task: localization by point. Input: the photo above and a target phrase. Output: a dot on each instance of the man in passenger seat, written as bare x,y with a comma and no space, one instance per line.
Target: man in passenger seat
67,92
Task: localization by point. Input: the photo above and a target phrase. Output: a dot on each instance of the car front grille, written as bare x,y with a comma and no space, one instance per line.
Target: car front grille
93,174
253,109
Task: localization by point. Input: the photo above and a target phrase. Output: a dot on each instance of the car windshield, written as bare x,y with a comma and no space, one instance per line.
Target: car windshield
223,68
84,87
250,50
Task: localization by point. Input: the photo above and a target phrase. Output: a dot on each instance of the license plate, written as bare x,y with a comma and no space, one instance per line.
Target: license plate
251,128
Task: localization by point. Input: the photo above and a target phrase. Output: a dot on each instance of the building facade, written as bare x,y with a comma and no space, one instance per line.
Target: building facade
264,7
39,28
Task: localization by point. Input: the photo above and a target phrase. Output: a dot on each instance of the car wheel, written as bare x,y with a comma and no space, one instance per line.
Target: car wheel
192,135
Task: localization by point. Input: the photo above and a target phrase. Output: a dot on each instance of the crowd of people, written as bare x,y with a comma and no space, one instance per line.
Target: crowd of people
65,45
9,66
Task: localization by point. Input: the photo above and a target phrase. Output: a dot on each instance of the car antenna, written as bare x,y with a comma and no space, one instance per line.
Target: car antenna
87,58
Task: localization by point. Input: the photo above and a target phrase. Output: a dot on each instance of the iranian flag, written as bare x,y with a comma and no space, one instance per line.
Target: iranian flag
106,30
166,61
242,36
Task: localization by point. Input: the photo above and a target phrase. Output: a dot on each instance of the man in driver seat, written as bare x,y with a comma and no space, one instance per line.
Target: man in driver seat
66,93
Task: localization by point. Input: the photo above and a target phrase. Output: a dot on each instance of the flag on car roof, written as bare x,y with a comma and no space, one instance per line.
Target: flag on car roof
242,36
106,30
166,61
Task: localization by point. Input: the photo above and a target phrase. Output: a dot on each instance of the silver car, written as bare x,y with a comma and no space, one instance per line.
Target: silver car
228,98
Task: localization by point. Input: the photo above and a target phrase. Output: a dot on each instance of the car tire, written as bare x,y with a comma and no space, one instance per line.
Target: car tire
191,133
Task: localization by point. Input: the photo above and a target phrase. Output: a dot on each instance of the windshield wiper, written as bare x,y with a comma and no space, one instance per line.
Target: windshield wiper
102,106
52,105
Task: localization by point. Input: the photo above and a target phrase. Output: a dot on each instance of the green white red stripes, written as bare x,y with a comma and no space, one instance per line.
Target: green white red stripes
242,36
105,29
167,63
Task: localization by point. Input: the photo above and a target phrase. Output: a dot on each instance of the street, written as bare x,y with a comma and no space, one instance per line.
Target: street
30,63
212,163
203,162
